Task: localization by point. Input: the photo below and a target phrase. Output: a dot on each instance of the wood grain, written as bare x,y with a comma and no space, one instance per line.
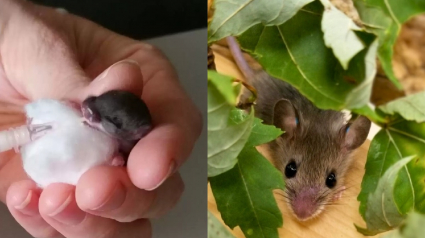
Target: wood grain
337,220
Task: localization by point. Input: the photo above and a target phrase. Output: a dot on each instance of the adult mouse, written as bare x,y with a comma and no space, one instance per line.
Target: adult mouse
314,153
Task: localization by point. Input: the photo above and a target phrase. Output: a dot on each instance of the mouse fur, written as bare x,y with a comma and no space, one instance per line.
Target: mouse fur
319,142
120,114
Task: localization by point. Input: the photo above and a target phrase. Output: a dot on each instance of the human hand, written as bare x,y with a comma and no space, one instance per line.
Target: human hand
44,53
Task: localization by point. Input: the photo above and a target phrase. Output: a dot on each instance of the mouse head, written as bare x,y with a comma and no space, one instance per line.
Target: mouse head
314,154
121,114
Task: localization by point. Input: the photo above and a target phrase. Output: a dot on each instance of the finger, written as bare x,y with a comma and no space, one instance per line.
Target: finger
22,201
59,208
178,124
108,192
122,75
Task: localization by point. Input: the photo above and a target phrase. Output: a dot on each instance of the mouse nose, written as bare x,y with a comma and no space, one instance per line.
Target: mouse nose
90,114
304,203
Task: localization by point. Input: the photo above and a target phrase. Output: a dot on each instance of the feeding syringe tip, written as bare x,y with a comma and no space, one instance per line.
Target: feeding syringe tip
14,138
19,136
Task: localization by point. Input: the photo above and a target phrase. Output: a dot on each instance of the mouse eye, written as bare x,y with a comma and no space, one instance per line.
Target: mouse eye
115,121
291,169
331,180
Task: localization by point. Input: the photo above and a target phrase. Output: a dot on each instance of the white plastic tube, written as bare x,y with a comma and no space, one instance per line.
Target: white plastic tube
14,138
19,136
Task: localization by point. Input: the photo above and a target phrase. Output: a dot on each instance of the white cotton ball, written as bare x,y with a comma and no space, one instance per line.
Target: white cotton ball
68,150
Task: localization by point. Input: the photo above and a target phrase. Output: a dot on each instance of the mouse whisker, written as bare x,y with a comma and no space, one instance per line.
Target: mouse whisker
280,192
323,194
285,196
332,205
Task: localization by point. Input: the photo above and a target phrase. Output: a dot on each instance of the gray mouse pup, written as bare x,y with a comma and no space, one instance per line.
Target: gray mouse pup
120,114
314,152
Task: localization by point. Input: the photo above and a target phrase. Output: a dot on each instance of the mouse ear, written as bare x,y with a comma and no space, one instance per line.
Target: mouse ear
356,133
285,117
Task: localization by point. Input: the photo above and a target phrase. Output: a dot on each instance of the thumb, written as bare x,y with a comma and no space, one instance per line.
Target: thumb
123,75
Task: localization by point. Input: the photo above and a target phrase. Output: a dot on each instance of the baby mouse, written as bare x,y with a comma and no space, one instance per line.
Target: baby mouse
315,151
120,114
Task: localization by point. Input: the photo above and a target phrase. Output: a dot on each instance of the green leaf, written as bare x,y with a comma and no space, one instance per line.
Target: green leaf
216,229
225,144
233,17
370,113
411,107
413,227
384,18
261,134
296,52
218,109
244,195
361,94
339,34
224,85
225,138
399,139
382,213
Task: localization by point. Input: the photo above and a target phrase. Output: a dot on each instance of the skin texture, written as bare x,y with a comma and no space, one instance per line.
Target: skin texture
47,54
316,140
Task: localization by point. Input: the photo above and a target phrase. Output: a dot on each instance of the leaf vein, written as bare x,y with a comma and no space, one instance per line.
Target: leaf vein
385,157
415,107
405,167
313,13
390,10
217,107
383,210
250,199
228,146
232,15
407,134
302,72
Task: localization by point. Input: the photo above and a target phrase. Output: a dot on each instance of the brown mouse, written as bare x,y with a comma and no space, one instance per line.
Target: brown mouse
314,152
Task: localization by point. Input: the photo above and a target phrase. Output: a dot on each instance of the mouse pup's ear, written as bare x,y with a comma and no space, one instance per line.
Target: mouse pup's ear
356,132
285,117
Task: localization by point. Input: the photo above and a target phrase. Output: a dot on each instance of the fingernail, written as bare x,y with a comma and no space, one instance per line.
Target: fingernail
126,61
24,208
69,213
171,170
114,201
62,10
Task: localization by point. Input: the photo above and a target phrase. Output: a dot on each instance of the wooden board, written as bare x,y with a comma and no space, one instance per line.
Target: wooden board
337,220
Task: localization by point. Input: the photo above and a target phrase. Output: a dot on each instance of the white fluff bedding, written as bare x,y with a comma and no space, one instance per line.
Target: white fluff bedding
68,150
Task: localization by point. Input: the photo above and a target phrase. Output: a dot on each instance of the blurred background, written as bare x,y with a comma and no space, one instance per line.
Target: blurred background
139,19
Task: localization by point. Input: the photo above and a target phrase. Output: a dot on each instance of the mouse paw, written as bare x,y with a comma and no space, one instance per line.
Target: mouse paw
117,161
338,195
